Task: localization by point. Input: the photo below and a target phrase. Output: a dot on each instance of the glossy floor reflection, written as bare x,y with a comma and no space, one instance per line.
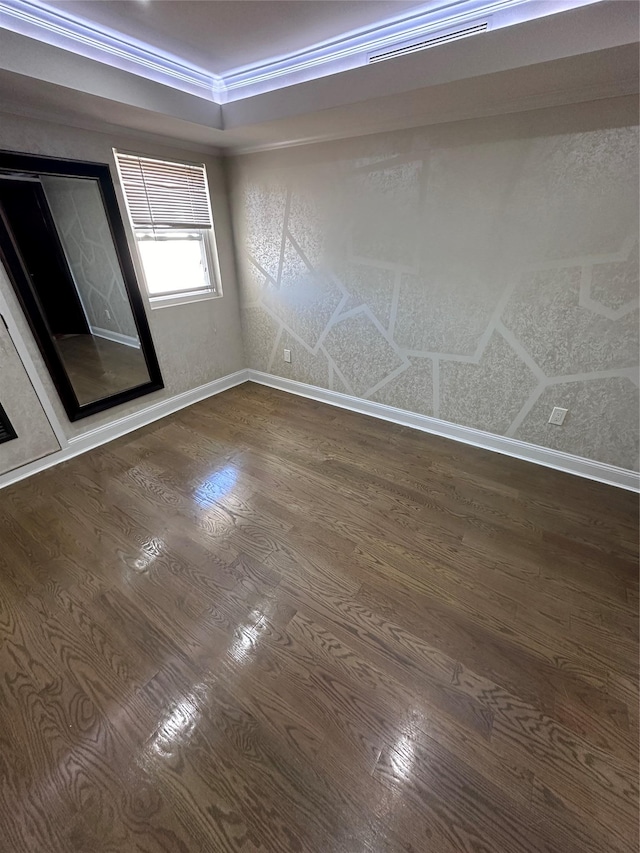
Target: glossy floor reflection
263,624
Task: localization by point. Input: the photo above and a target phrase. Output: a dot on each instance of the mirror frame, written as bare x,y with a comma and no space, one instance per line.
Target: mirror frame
31,164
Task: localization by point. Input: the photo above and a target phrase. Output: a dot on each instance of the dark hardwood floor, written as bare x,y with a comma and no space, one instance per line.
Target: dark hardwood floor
265,624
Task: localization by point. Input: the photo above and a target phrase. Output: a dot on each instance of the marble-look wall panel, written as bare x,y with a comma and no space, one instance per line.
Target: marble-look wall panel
34,436
481,272
196,343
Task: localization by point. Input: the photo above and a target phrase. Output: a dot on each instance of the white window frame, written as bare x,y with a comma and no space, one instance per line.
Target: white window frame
159,300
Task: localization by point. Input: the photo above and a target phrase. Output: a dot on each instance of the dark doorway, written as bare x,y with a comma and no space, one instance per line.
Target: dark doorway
28,217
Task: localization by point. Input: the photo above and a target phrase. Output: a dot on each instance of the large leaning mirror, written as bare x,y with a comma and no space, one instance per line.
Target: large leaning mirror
64,247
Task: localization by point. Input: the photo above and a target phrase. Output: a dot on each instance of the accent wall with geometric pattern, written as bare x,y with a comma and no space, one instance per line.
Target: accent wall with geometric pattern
481,272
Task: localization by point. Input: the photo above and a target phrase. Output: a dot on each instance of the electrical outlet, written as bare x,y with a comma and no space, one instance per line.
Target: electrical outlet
287,356
108,314
558,415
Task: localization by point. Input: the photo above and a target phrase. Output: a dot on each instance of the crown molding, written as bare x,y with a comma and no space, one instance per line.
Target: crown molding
109,129
348,51
45,24
354,49
531,103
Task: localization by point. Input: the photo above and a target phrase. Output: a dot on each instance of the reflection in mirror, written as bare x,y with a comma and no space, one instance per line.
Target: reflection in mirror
102,353
58,243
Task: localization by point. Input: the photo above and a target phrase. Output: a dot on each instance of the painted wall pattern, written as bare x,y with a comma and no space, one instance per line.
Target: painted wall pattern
479,272
84,230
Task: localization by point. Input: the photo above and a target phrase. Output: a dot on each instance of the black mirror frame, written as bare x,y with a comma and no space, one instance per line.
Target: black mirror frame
12,162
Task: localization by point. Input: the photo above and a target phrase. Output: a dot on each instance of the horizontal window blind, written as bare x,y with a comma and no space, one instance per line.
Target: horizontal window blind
165,194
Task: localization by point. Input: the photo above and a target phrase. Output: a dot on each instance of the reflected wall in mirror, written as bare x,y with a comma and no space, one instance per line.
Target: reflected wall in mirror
64,246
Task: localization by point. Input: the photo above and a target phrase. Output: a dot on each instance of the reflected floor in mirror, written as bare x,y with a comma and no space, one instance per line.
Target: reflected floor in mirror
98,367
62,240
266,624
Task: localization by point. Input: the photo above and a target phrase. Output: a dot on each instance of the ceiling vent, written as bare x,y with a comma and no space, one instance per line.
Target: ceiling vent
443,38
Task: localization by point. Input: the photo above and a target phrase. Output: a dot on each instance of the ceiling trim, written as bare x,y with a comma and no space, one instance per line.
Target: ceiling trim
355,49
530,104
348,51
111,129
59,29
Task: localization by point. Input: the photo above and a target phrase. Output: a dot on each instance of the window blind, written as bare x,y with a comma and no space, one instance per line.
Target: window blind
164,194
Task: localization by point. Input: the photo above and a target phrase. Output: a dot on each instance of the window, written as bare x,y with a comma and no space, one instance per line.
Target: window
170,212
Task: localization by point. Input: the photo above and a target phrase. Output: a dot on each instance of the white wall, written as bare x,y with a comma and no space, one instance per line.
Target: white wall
480,272
196,343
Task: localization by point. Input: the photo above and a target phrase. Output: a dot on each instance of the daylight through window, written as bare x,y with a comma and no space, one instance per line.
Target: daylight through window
169,208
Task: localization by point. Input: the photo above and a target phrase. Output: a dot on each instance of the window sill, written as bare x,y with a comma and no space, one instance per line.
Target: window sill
181,299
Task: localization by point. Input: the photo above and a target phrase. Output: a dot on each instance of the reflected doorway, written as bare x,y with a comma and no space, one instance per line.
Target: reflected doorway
65,263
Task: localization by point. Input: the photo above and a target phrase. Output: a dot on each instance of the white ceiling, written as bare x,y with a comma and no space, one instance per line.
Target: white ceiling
220,35
578,55
608,73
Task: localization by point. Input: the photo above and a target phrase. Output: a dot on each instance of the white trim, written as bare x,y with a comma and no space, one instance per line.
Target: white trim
344,52
556,459
185,298
103,434
353,49
75,34
116,337
559,461
210,245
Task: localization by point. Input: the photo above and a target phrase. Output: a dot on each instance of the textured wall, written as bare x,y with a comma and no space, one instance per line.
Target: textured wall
197,342
35,438
81,220
480,272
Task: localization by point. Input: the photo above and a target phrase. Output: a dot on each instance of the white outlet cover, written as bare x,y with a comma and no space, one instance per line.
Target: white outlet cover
558,415
287,356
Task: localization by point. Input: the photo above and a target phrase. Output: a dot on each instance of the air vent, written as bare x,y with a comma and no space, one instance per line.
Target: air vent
444,38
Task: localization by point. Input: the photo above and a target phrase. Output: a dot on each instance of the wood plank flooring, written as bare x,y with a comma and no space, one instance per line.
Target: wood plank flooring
98,367
265,624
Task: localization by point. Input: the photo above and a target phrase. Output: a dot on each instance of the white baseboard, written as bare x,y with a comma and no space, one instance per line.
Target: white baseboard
588,468
117,337
103,434
581,467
